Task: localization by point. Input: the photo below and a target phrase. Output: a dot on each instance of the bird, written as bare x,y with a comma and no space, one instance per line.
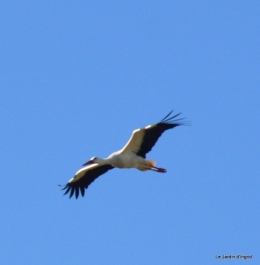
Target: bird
132,155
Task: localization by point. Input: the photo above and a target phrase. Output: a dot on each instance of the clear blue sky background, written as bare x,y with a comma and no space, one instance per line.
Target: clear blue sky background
77,77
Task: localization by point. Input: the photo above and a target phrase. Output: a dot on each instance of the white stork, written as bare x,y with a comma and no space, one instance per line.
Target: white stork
132,155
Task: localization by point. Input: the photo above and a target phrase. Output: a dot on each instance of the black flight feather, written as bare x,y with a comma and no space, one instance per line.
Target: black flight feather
153,133
83,182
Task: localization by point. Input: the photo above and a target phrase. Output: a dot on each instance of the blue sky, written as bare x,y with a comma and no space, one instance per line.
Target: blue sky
77,78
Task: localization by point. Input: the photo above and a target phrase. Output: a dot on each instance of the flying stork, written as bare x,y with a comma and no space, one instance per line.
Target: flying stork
132,155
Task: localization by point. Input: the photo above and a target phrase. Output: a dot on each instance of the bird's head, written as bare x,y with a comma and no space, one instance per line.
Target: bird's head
93,160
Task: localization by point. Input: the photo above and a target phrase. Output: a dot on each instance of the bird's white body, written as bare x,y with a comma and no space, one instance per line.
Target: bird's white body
128,160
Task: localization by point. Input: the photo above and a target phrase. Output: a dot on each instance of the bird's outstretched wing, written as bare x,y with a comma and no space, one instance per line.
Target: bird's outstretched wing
143,140
84,177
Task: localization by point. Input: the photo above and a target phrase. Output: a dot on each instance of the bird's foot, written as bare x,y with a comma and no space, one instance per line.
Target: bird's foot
159,169
162,170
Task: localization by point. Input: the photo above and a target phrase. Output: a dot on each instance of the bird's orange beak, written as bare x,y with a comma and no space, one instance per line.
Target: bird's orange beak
88,163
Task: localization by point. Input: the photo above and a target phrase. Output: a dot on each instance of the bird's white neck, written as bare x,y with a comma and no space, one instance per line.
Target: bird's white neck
102,161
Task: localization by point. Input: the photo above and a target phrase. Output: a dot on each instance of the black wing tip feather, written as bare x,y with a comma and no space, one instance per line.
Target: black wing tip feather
172,121
167,115
69,188
73,190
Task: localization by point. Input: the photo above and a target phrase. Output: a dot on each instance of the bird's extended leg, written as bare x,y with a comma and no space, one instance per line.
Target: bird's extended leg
158,169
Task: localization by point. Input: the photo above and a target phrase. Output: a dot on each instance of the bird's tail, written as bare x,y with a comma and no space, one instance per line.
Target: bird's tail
151,162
